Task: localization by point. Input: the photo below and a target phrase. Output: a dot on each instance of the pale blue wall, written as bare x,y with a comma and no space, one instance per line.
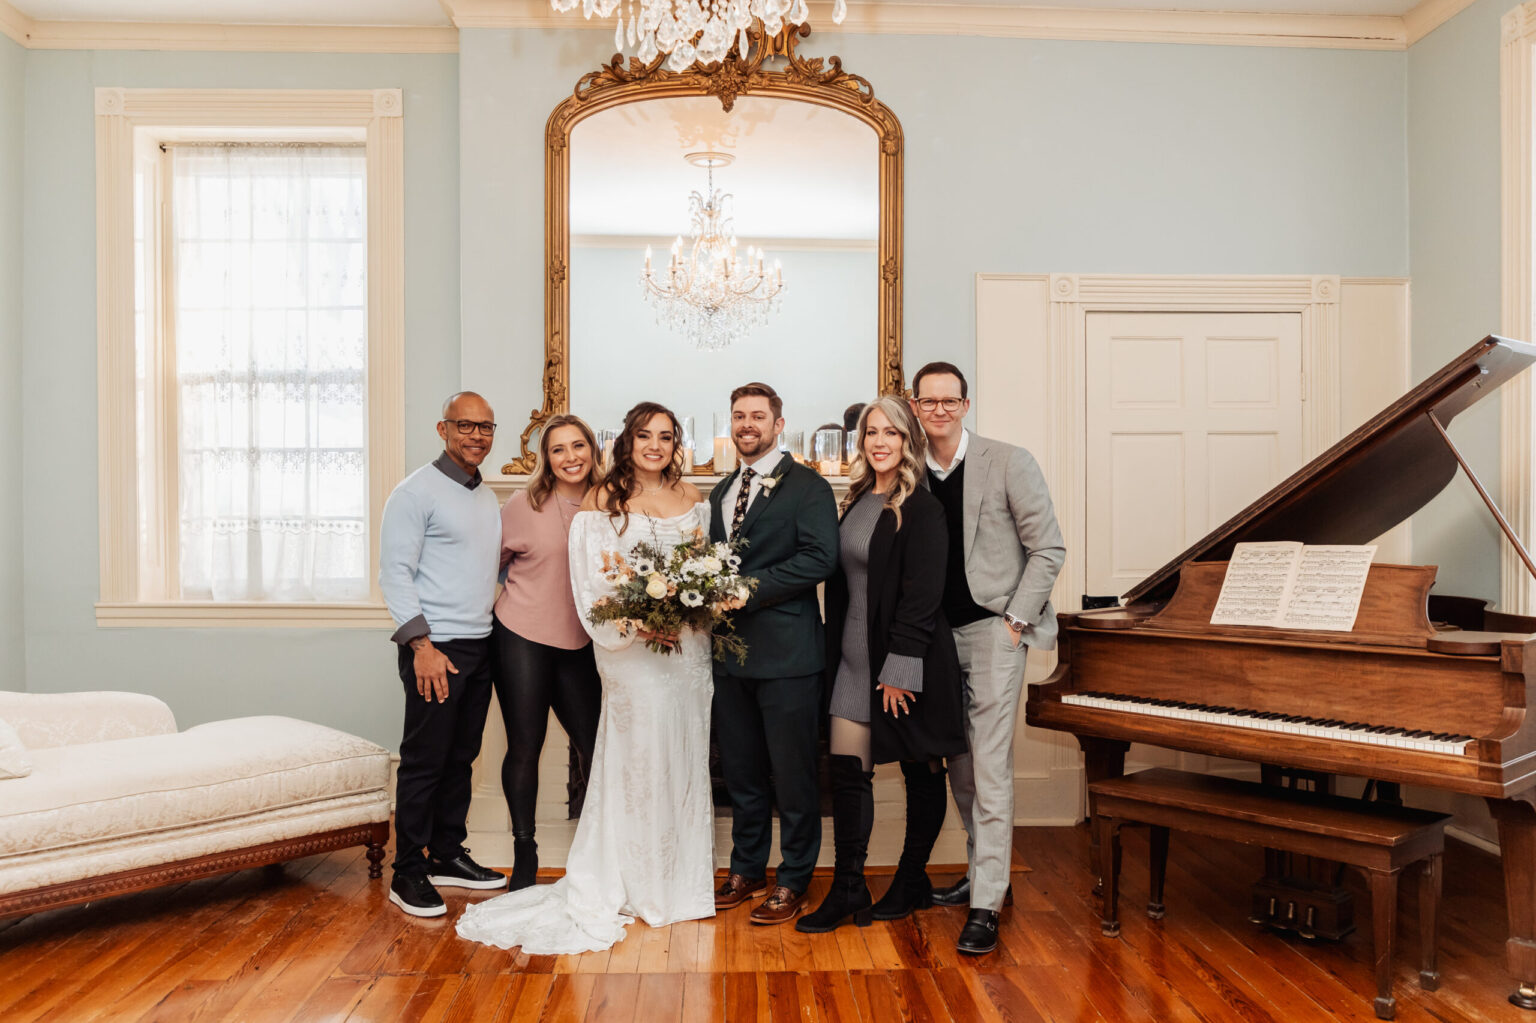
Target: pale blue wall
343,678
1040,156
1023,156
1453,174
12,91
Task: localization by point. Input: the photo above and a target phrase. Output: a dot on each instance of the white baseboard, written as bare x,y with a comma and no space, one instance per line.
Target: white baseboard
494,848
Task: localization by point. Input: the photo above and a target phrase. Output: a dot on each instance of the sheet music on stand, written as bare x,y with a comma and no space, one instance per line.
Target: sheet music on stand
1290,585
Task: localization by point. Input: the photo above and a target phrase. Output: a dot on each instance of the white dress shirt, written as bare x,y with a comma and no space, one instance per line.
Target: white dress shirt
764,466
940,471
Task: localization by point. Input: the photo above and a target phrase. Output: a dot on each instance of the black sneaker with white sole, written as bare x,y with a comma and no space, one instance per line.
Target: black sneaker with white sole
463,872
413,893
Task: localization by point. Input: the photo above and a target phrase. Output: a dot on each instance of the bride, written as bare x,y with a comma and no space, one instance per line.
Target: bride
645,843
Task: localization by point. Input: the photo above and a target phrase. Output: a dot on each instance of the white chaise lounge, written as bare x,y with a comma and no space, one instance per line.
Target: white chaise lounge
117,800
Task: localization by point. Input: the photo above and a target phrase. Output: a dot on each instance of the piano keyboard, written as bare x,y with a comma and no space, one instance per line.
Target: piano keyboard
1238,717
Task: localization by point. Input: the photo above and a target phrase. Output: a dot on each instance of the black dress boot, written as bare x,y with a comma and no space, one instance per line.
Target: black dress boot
926,805
525,861
853,818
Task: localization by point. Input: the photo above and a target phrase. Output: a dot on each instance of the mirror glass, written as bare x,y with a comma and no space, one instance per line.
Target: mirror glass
803,182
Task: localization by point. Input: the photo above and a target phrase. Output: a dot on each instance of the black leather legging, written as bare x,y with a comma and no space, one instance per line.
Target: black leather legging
531,679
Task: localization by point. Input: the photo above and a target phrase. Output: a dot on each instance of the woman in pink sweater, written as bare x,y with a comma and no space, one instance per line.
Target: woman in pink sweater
543,655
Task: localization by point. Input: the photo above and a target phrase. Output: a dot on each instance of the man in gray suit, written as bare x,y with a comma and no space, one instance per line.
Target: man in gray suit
1004,552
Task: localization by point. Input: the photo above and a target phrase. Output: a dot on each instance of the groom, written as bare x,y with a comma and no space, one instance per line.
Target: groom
767,711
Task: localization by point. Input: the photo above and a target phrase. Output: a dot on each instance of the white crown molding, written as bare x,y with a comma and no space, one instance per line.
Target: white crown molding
1322,31
126,35
1382,32
1429,15
14,24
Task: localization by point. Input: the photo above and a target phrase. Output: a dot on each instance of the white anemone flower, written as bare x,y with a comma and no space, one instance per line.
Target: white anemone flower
691,598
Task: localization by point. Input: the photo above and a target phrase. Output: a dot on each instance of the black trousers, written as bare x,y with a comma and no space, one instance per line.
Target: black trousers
437,750
532,679
771,726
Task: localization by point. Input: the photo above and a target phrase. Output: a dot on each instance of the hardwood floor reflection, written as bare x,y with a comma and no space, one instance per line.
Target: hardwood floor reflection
318,941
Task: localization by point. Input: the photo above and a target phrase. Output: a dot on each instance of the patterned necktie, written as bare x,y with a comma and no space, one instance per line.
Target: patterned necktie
742,498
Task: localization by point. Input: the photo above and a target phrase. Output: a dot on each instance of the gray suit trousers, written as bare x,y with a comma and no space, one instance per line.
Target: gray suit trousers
992,672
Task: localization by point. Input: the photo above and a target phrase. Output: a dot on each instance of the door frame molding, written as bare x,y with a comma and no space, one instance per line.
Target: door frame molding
1074,297
1032,391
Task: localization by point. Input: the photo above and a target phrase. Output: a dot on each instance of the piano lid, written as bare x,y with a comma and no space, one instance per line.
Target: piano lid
1369,481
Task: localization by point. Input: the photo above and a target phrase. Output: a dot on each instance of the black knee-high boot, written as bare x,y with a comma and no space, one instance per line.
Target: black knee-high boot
853,818
525,861
926,805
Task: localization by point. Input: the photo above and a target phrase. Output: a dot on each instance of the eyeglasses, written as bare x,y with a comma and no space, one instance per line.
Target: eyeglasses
947,404
468,426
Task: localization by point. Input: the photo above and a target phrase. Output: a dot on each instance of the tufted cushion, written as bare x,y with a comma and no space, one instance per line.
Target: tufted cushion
14,762
221,771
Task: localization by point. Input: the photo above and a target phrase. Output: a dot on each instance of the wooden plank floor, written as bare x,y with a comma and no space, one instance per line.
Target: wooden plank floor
317,941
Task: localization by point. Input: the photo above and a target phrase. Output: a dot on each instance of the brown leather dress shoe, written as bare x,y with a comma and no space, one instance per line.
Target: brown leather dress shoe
781,905
738,889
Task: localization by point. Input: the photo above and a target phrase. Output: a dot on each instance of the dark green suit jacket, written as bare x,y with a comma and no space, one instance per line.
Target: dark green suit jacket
791,534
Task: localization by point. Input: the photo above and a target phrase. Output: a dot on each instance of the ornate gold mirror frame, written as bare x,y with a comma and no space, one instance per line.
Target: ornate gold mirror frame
807,79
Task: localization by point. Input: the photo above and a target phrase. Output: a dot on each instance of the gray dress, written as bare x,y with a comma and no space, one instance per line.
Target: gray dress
851,689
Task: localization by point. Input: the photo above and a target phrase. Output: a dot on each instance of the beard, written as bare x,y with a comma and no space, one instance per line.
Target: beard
751,447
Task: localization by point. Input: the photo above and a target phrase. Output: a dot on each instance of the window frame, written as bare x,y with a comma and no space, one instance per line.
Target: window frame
124,119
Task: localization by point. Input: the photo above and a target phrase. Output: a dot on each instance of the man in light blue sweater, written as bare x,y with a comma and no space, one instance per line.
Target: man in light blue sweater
439,549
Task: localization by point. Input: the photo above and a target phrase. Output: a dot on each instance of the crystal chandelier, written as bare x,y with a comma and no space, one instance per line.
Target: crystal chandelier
713,296
694,30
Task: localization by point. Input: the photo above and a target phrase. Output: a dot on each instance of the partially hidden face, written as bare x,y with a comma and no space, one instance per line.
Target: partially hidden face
569,454
883,443
655,443
754,430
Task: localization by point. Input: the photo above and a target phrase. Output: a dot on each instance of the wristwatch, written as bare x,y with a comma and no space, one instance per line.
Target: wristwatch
1014,622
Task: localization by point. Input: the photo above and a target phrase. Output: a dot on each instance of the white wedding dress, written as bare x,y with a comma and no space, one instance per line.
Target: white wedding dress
645,844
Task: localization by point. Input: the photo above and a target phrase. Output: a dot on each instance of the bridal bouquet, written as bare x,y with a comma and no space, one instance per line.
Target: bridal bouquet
695,586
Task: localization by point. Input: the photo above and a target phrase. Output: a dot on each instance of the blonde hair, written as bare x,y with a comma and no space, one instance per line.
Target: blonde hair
543,482
861,478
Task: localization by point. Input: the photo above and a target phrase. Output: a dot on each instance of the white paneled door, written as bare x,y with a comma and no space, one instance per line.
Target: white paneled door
1190,417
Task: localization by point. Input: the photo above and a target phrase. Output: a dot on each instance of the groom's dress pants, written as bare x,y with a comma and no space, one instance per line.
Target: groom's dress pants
437,751
763,726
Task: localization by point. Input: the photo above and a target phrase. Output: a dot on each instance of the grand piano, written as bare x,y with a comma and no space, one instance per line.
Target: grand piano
1429,690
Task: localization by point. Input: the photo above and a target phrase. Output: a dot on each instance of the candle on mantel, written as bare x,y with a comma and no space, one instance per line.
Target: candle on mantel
831,467
725,456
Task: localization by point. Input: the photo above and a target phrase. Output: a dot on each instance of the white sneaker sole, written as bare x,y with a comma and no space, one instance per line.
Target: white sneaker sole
417,910
448,881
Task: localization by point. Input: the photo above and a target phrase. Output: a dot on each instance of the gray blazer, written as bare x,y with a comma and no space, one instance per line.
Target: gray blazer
1013,547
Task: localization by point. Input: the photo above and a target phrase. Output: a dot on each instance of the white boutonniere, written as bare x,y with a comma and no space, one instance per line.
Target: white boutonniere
769,482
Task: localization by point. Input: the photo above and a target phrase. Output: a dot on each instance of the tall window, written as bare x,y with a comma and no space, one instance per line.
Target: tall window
268,298
259,337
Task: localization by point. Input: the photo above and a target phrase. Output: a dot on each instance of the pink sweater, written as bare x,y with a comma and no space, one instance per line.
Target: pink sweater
536,601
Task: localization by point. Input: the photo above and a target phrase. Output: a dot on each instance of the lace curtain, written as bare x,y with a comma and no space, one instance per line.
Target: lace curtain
271,367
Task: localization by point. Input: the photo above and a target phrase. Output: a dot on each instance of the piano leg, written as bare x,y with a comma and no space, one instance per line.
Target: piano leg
1517,843
1102,758
1384,935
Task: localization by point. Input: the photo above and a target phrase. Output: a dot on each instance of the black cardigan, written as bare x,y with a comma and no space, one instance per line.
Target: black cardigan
906,590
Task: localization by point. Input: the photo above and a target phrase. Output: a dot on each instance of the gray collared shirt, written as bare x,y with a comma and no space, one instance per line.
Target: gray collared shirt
454,471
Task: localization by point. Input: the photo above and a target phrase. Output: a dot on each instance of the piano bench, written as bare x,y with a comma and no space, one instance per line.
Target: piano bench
1379,838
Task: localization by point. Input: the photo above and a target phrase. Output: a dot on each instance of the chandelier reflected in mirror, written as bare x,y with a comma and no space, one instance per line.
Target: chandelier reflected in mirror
694,30
712,295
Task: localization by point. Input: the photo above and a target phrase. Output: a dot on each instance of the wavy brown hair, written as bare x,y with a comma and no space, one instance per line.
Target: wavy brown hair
621,485
543,482
914,448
